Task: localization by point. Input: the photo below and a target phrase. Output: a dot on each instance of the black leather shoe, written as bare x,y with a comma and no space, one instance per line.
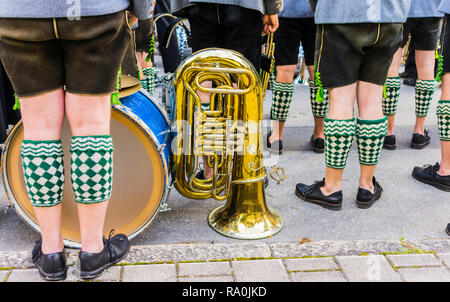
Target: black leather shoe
275,147
428,174
447,230
419,141
365,199
318,144
314,195
390,142
51,267
92,265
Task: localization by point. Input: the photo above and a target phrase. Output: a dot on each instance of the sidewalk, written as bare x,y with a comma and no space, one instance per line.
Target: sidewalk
323,261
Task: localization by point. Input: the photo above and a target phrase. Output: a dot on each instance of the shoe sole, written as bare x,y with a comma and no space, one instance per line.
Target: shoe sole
366,205
318,150
428,182
53,277
419,146
321,203
98,272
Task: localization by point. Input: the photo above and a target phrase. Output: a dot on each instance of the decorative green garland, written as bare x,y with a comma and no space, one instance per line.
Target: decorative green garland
440,68
151,48
115,96
318,83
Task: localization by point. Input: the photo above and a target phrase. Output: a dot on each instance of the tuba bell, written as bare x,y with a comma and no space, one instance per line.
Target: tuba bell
228,136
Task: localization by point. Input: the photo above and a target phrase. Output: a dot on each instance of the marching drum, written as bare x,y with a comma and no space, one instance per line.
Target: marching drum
141,135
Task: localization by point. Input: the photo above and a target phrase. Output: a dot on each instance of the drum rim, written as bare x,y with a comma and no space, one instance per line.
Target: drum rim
69,243
6,185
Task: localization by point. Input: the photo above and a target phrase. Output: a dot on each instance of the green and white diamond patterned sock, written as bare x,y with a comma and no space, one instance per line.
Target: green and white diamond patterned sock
43,169
339,135
92,168
281,100
424,95
370,136
149,76
319,109
390,102
443,116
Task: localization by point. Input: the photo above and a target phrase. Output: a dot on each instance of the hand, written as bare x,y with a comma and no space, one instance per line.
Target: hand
270,23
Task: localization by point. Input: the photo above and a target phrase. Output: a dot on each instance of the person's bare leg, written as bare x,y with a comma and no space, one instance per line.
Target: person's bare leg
342,100
425,60
285,74
90,115
394,72
369,108
43,118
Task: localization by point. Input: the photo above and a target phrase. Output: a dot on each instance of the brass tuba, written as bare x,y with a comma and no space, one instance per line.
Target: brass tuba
229,136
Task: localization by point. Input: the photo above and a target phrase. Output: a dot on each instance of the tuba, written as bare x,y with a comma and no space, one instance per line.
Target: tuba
228,136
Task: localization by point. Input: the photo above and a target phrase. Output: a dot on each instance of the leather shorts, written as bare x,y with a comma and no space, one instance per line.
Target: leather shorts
347,53
227,26
84,56
424,31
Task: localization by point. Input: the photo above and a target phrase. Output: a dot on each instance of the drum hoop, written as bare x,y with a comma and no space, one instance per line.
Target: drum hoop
9,194
132,117
135,119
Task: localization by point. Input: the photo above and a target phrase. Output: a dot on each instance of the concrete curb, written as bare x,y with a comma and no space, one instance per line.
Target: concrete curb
171,253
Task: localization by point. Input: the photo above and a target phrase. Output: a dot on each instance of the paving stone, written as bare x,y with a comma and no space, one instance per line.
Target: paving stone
414,260
3,274
197,252
259,271
367,269
25,275
310,264
334,248
204,269
425,274
149,273
111,274
326,276
445,258
207,279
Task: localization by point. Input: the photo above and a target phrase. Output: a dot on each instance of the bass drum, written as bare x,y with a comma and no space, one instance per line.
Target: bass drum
141,136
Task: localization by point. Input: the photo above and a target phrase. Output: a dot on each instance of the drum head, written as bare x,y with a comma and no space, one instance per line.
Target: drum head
139,184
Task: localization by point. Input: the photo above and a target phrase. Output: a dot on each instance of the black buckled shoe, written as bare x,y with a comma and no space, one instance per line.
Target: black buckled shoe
92,265
419,141
51,267
447,229
428,174
365,199
275,147
390,142
313,194
318,144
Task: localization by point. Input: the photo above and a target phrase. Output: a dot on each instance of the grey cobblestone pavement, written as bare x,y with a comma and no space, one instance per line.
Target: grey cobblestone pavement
258,262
